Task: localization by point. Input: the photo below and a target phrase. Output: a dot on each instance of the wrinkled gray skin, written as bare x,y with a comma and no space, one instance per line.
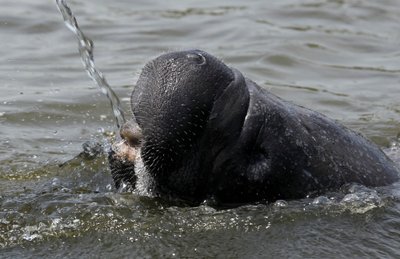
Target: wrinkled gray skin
207,132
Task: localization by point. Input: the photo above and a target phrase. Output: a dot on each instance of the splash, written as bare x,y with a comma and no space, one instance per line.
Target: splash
86,48
394,151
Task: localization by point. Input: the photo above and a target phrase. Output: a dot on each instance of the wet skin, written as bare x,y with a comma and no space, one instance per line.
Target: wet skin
201,130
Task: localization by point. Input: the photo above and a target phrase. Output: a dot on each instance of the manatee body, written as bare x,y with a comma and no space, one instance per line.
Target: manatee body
201,130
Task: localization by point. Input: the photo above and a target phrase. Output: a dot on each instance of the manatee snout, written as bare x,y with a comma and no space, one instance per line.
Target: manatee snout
124,154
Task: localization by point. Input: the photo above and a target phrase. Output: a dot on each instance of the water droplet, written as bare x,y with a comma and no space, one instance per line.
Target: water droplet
321,200
29,237
109,187
280,203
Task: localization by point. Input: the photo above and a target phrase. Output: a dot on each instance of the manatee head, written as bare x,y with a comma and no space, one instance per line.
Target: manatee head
172,102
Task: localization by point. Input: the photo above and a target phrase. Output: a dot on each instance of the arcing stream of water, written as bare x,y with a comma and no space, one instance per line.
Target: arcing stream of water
86,48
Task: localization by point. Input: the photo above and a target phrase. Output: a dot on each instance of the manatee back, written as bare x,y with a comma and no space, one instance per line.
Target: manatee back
286,152
314,153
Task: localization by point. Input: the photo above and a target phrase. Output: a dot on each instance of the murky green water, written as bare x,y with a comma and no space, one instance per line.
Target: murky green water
341,58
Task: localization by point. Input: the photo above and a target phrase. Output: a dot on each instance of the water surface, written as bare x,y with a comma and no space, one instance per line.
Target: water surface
337,57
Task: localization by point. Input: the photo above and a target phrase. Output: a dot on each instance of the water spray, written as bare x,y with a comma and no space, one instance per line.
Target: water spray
86,48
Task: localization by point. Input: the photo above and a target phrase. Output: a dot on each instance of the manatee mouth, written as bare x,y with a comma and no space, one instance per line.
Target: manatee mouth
128,149
132,134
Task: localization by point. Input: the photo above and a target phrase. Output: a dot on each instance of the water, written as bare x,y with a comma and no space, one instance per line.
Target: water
86,49
338,57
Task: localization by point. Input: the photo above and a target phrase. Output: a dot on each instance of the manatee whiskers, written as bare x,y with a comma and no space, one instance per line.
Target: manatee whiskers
122,161
144,181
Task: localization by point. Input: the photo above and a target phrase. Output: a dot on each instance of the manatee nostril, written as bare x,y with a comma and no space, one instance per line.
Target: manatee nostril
131,133
196,57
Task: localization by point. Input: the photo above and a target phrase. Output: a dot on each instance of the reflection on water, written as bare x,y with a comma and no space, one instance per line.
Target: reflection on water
338,57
